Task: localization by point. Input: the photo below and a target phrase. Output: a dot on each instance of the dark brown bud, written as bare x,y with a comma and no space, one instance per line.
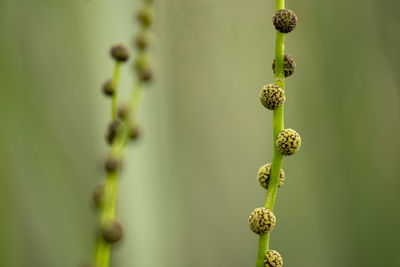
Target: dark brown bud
113,129
284,20
134,133
288,65
111,164
123,112
146,75
112,231
98,195
108,88
120,52
143,68
145,16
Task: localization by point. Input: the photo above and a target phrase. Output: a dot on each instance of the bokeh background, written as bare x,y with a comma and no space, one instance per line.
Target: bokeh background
190,183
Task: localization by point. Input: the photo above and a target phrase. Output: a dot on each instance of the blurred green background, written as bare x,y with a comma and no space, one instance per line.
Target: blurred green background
190,183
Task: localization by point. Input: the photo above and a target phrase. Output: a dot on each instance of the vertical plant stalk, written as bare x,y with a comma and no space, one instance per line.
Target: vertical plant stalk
277,159
125,117
118,149
278,127
115,85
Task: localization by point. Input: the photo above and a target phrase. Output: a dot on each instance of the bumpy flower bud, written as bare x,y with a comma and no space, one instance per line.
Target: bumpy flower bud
113,129
288,142
145,16
108,88
272,96
288,65
98,195
262,221
284,20
265,173
112,231
111,164
120,52
273,259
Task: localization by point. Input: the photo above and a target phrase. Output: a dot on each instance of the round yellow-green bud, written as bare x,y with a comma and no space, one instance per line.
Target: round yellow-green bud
288,65
145,16
112,231
284,20
262,221
264,173
288,142
142,40
120,52
273,259
272,96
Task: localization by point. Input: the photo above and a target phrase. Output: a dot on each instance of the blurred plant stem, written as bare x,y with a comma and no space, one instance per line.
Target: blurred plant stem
278,126
115,84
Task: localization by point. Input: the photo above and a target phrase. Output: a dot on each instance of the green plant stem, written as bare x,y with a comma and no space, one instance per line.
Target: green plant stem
118,149
278,126
114,97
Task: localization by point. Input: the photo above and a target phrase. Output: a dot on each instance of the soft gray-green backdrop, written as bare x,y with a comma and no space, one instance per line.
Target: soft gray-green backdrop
189,185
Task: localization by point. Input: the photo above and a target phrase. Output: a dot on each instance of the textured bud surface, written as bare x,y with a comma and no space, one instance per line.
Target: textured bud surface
273,259
284,20
272,96
112,231
120,52
288,142
262,221
288,65
264,174
108,88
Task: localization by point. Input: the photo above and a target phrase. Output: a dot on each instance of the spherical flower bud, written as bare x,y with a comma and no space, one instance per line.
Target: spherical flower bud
146,75
288,65
98,195
288,142
262,221
123,112
120,52
113,129
265,173
284,20
143,68
273,259
272,96
112,231
111,164
108,88
142,40
134,133
145,16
